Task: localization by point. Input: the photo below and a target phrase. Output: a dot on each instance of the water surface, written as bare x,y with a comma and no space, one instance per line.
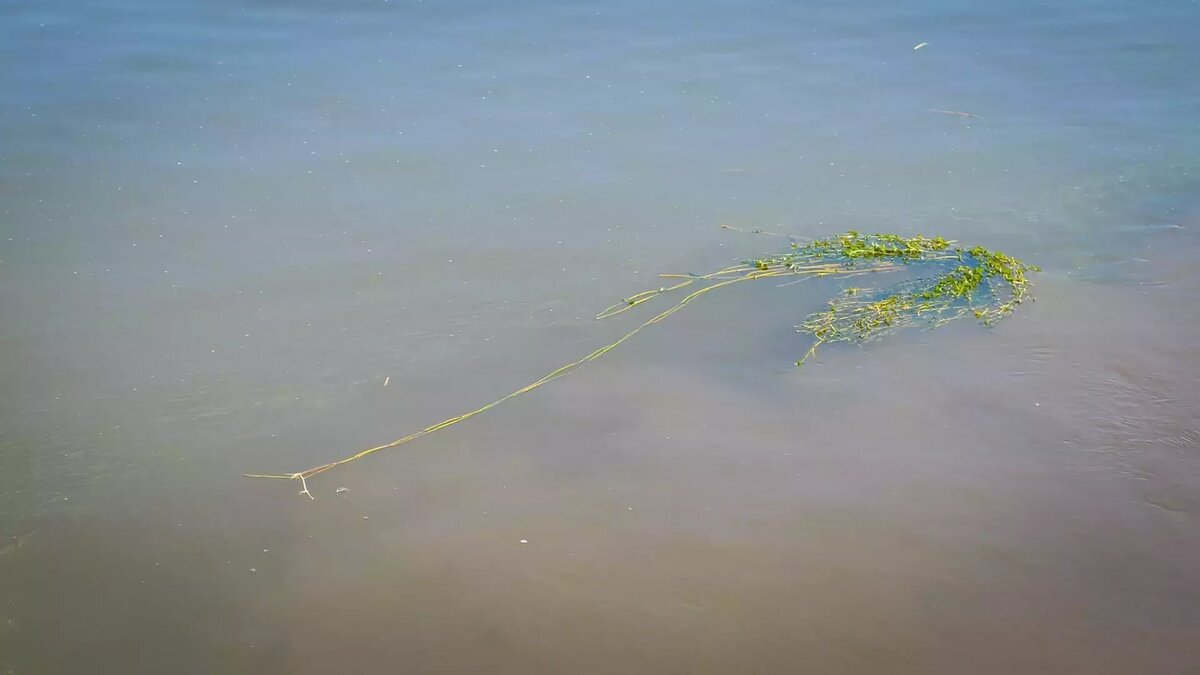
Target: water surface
224,224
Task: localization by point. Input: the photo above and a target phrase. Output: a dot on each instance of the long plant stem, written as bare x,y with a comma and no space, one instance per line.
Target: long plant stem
974,284
721,277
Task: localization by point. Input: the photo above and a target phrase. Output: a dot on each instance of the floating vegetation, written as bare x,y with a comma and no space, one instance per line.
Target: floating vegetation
985,284
945,282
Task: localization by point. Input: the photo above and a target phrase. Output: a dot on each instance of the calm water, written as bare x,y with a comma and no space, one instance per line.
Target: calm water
224,224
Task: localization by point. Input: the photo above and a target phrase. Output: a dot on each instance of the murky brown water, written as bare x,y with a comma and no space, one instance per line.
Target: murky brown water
184,301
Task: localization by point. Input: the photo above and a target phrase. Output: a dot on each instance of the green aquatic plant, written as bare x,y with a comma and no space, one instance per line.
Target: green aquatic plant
985,284
945,282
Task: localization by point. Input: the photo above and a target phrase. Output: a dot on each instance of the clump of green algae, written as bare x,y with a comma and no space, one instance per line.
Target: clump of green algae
976,281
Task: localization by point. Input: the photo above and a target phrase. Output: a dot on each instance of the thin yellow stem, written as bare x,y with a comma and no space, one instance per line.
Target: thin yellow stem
744,274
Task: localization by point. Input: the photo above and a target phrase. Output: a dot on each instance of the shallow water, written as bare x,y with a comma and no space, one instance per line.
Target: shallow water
225,224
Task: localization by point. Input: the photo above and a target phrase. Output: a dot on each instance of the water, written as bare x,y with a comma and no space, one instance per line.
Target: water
225,224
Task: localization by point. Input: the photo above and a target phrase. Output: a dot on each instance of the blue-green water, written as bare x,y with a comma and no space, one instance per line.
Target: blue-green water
224,224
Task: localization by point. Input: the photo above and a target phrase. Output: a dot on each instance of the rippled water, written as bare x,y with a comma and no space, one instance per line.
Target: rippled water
224,224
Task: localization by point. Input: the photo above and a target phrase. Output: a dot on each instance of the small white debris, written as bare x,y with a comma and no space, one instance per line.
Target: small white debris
386,380
266,550
253,569
524,541
923,44
366,517
341,490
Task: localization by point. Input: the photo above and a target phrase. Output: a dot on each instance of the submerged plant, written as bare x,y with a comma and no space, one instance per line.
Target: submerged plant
985,284
946,282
